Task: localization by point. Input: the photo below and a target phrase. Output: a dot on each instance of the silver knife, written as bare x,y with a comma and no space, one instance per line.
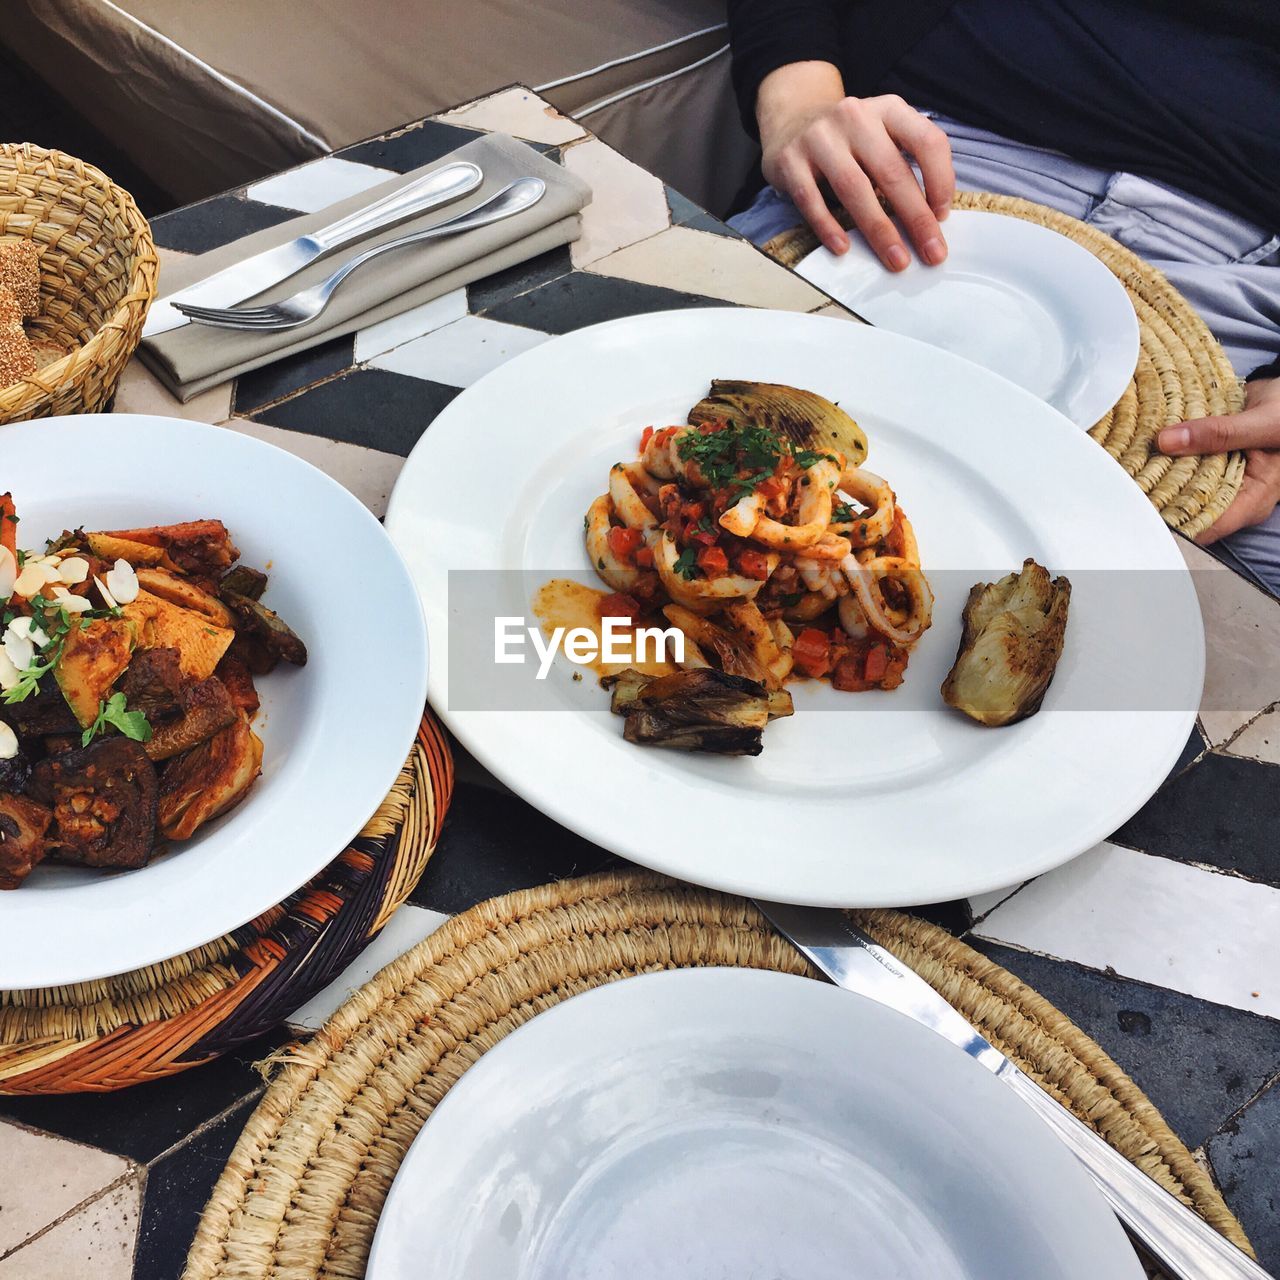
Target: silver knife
248,278
1184,1243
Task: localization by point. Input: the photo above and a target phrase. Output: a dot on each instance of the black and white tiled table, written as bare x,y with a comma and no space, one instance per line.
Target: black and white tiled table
1163,943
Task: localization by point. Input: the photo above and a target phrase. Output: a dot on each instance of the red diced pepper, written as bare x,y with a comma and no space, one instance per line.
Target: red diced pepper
713,561
644,558
753,564
877,663
620,605
623,542
645,436
811,652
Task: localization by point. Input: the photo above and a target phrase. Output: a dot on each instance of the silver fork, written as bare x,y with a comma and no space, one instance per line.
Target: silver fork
307,304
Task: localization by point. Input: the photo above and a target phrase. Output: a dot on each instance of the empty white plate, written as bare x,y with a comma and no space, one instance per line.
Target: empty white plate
1012,296
737,1124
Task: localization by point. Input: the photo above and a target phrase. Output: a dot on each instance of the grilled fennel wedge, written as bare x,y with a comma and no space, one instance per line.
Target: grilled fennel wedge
808,420
1010,646
698,710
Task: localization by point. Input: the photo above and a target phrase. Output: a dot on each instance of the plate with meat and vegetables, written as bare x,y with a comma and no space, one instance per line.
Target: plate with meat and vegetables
814,612
196,712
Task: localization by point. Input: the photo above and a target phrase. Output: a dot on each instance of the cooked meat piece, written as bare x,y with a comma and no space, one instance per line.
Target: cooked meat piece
234,672
153,684
255,618
1010,646
186,594
254,652
244,581
23,823
14,773
103,798
57,743
45,711
209,779
206,709
200,547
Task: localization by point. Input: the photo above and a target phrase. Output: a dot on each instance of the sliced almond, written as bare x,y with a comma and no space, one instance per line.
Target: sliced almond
107,598
20,650
122,582
73,570
9,674
8,572
70,602
8,742
28,630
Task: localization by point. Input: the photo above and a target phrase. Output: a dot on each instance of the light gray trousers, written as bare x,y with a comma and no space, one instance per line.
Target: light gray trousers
1227,267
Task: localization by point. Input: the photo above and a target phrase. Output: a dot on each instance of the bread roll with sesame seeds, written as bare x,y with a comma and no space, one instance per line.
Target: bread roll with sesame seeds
17,360
20,274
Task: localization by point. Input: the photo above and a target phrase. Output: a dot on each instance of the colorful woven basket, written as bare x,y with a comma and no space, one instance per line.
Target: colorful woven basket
153,1022
98,274
1182,370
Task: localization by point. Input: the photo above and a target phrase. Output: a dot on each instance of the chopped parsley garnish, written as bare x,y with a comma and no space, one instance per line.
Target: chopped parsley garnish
133,724
687,563
842,513
740,457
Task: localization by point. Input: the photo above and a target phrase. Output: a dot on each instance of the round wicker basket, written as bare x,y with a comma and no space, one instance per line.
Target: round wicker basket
98,272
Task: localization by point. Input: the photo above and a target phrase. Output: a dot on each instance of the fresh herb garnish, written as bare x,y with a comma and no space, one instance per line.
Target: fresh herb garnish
133,724
687,563
842,513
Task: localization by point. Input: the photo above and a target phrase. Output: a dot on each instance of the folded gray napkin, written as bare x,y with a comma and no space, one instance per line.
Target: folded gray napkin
195,357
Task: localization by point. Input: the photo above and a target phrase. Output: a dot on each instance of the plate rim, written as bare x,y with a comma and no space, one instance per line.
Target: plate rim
553,800
753,988
1065,248
111,429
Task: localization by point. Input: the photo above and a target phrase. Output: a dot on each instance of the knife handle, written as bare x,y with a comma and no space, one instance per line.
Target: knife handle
431,190
1187,1246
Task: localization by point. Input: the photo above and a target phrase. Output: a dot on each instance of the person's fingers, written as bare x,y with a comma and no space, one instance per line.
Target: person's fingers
800,185
883,162
1252,505
1255,428
853,189
930,147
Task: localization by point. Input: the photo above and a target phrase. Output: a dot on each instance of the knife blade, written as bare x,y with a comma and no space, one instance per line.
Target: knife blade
1184,1243
246,279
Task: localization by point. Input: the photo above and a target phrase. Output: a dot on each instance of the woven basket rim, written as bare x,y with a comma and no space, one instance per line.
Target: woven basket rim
142,253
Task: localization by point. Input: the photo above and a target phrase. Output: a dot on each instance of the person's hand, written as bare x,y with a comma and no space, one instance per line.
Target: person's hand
1256,430
812,133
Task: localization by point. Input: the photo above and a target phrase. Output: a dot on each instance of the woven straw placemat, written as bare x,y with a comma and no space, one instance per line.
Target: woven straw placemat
301,1194
116,1032
1182,370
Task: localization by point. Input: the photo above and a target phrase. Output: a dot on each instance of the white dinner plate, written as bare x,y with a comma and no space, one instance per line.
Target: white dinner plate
1012,296
335,732
858,799
738,1124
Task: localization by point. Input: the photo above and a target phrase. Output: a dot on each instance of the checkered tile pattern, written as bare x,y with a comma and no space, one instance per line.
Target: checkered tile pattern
1163,943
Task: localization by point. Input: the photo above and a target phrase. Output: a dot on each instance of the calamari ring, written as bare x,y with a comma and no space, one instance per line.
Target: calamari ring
811,605
813,514
870,491
865,579
619,576
628,505
902,539
700,592
743,516
852,619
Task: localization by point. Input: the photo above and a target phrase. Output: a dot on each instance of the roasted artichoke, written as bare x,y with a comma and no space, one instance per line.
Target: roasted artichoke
1010,646
807,420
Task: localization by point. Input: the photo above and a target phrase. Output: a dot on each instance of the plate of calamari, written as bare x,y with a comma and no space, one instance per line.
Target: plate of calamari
178,748
797,609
